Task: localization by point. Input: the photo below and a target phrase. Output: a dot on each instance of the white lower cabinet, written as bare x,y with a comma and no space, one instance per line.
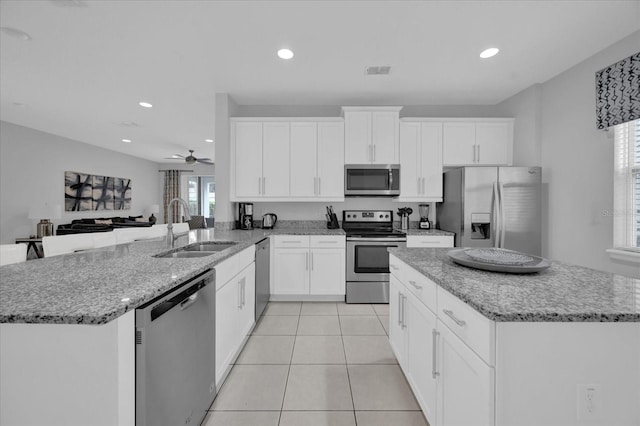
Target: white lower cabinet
452,384
235,309
308,266
465,385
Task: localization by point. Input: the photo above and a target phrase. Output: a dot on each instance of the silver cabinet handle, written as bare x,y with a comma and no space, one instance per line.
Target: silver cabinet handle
374,152
243,283
239,295
264,185
458,321
434,354
319,186
260,186
315,186
400,309
416,286
419,190
424,186
312,261
478,153
307,260
290,242
370,156
404,311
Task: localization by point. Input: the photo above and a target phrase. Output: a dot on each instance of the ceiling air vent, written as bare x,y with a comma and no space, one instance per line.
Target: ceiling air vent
383,70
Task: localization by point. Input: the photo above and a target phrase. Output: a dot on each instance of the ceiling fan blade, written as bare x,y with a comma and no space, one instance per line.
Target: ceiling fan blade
173,158
204,160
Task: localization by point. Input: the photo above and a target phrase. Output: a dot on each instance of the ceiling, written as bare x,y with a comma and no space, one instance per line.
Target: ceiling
89,63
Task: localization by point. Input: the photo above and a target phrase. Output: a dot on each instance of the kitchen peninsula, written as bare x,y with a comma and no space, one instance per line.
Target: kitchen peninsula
529,341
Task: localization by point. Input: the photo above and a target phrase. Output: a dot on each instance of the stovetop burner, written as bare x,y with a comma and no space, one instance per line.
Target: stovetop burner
369,224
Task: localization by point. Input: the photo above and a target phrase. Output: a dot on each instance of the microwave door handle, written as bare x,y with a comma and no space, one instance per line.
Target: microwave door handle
495,219
390,178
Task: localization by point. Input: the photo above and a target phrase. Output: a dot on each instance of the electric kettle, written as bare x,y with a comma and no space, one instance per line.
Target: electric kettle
269,220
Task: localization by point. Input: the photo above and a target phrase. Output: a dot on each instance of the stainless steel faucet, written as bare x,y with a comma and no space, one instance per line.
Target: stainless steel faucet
171,239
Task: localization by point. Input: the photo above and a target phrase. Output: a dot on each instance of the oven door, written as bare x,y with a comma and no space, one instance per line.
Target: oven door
368,258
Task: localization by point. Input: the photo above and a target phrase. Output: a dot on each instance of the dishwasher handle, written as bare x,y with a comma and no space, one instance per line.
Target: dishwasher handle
185,299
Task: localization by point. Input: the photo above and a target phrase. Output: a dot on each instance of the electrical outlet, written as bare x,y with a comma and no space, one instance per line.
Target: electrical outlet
589,402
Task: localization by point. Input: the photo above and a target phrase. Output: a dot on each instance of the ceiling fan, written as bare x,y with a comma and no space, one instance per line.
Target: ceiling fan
190,159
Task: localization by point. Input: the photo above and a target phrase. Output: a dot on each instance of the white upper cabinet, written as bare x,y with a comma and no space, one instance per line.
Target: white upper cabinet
420,161
287,159
478,142
371,135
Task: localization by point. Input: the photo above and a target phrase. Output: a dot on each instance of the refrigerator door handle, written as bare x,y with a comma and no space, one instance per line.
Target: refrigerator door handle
502,224
496,215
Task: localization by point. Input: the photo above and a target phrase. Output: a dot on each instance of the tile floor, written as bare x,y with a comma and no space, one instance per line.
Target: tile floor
314,364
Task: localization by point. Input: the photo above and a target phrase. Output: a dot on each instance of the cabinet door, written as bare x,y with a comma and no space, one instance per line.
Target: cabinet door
275,159
384,137
431,160
291,271
331,160
357,137
410,166
458,147
397,328
422,325
465,386
493,143
248,159
303,159
247,282
228,328
327,272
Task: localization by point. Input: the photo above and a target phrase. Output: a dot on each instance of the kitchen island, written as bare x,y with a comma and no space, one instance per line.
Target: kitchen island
67,325
557,347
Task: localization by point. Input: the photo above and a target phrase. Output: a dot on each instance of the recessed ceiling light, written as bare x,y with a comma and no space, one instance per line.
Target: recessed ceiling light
209,140
15,33
126,140
285,54
487,53
145,104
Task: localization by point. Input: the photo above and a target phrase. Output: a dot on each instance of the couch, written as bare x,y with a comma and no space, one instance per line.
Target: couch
81,226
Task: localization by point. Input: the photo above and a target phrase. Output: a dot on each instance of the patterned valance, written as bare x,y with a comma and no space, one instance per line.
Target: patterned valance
618,92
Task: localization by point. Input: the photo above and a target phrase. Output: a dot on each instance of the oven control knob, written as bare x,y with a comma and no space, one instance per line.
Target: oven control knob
348,215
386,216
381,216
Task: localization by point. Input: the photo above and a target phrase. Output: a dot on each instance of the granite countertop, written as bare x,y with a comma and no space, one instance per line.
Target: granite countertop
97,286
562,293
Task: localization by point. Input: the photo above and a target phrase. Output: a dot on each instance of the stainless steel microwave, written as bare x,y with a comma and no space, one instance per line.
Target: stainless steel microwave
372,180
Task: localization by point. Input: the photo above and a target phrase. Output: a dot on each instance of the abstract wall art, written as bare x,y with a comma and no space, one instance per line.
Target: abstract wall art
85,192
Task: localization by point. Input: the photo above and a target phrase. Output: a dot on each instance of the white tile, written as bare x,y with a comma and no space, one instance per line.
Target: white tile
380,387
318,350
267,350
381,308
241,418
319,308
387,418
277,325
283,308
384,320
318,387
317,418
252,388
320,325
355,309
355,325
368,350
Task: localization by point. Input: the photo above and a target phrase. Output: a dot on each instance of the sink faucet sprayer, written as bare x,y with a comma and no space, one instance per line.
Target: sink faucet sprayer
170,238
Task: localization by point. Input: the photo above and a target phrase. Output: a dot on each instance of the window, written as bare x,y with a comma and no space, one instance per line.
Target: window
201,195
626,195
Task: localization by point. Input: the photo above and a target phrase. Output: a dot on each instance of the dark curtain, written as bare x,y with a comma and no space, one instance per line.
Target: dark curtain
618,92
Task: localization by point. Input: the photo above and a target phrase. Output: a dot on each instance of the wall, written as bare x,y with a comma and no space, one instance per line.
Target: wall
225,107
577,160
32,166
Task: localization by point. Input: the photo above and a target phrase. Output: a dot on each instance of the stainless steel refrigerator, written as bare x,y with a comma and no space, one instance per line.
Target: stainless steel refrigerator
493,207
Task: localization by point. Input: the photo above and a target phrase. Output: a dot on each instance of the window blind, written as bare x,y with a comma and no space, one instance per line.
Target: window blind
626,196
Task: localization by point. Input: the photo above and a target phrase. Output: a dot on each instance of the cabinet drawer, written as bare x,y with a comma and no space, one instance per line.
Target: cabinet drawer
230,267
327,241
422,287
477,331
423,241
291,241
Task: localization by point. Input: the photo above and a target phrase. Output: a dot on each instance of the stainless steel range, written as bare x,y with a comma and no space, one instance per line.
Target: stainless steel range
369,234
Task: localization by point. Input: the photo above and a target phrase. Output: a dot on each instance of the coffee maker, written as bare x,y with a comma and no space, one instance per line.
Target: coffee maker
245,215
424,216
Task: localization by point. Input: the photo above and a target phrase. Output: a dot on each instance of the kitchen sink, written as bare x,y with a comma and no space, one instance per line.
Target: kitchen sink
210,246
185,254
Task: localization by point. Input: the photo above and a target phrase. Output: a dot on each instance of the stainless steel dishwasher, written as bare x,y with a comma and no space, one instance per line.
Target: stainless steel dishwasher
175,355
262,276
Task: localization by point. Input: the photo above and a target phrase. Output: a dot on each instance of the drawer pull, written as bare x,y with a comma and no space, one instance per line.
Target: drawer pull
458,321
328,242
434,364
291,242
416,286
